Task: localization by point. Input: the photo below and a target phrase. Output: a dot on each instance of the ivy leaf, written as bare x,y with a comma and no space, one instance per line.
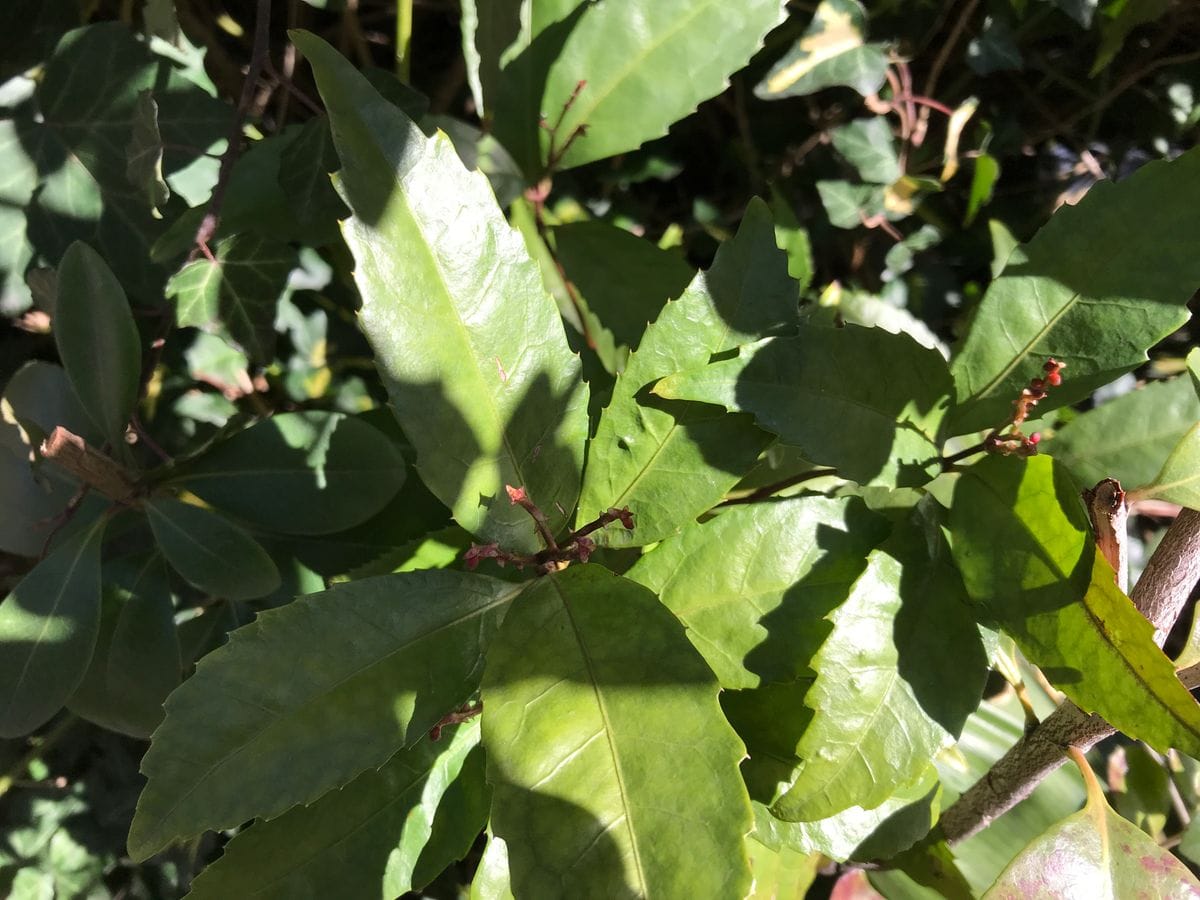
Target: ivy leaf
831,52
1098,852
1128,438
143,165
1088,290
239,289
48,628
600,723
670,462
1023,544
304,167
358,671
1179,480
752,585
868,145
209,551
822,393
97,340
306,472
347,842
848,205
467,341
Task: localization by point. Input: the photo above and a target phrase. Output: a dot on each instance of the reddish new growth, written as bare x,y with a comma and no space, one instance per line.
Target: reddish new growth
1014,442
578,545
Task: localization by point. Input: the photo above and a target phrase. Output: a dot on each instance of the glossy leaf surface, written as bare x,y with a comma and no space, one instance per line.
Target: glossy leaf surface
360,670
821,393
466,339
669,462
600,724
1088,290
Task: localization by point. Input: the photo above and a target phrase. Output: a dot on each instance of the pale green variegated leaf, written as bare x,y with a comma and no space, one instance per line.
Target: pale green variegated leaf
1128,438
752,586
239,289
300,473
670,462
821,392
467,340
831,52
868,145
209,551
1179,480
1022,541
626,52
48,627
97,340
607,752
347,843
1102,282
896,680
322,689
143,165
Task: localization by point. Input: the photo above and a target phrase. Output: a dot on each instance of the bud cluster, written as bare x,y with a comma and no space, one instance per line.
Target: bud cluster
1014,443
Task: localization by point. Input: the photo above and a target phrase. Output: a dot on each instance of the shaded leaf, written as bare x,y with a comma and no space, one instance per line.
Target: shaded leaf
347,842
1022,541
300,473
1088,290
323,689
822,393
868,145
209,551
995,49
462,814
97,340
984,175
848,205
1179,480
669,462
468,343
831,52
143,165
239,289
600,722
48,628
304,167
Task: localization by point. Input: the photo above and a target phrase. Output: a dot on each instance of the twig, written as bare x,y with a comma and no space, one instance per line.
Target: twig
464,713
212,216
89,465
404,25
939,62
518,496
769,490
39,749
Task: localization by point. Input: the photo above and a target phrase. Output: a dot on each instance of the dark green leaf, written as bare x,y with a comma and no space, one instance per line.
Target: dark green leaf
97,340
300,473
831,52
144,152
304,167
995,49
469,344
209,551
607,752
669,462
461,817
1091,289
823,393
48,628
311,695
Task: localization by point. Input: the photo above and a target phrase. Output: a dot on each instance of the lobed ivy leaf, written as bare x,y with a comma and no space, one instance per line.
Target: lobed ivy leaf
1179,479
1102,282
607,752
209,551
358,841
822,393
48,628
468,343
831,52
97,340
1023,544
321,690
670,462
868,145
144,153
306,472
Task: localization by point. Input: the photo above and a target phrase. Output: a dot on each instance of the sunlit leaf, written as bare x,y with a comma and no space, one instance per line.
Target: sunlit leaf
831,52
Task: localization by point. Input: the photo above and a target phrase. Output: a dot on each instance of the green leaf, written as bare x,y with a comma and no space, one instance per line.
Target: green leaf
1098,853
985,174
320,690
1179,480
669,462
896,680
823,393
1102,281
780,873
793,240
624,52
300,473
608,755
469,345
97,340
1128,438
848,205
751,585
48,628
995,49
868,145
1023,544
491,881
349,842
462,815
144,152
209,551
238,288
304,167
831,52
